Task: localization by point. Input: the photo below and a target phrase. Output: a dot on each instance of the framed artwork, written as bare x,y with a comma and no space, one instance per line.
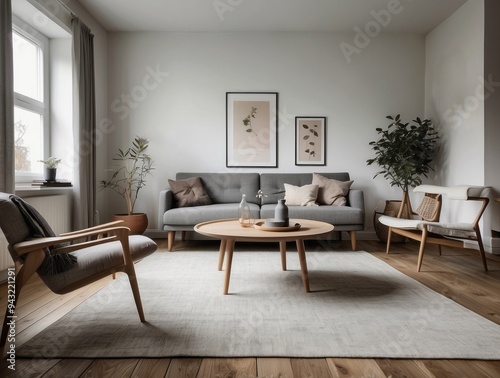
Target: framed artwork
310,140
252,129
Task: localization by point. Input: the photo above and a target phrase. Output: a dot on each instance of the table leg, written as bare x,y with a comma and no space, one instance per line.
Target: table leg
229,261
303,264
222,252
283,254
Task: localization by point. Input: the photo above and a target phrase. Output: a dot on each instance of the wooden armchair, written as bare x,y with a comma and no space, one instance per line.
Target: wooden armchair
100,251
429,230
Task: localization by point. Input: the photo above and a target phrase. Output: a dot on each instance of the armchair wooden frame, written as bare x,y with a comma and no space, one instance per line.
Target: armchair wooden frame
34,255
431,231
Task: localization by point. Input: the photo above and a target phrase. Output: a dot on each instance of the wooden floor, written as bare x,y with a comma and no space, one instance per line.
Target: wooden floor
456,274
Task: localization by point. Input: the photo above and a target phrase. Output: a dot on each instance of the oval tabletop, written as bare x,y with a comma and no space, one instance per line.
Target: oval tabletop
231,229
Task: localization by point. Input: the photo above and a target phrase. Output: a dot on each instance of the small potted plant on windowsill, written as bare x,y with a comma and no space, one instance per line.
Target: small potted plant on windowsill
128,178
51,165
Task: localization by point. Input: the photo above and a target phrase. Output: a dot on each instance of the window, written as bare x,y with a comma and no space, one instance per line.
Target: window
31,95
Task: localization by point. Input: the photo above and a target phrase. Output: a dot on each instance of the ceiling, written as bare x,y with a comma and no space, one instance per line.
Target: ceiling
414,16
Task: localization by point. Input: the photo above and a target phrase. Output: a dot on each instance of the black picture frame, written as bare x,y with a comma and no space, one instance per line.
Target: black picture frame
310,140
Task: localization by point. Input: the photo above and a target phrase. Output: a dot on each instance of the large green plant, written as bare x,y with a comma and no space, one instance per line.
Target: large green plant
129,177
404,152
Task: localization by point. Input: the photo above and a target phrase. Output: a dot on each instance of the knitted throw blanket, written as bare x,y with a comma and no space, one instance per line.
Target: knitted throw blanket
39,228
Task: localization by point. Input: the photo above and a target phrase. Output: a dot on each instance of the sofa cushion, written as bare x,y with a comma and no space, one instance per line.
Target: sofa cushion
273,188
186,216
331,191
227,187
189,192
341,215
301,195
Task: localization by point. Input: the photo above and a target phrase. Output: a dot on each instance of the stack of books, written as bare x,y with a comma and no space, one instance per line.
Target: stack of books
51,184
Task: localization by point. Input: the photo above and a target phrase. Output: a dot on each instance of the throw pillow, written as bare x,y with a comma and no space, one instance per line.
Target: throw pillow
301,195
189,192
331,191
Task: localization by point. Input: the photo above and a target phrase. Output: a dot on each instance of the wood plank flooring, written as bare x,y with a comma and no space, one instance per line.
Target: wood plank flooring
456,274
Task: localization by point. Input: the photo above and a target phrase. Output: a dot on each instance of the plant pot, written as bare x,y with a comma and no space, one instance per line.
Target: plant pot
137,222
50,174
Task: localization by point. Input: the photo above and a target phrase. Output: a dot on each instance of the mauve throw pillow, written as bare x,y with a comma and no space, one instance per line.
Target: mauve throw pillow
189,192
331,191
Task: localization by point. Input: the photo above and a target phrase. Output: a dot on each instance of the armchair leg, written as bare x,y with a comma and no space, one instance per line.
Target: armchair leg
481,249
170,241
135,291
389,235
422,249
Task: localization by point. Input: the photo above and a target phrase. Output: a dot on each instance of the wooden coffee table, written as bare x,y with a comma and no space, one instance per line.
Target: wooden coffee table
229,231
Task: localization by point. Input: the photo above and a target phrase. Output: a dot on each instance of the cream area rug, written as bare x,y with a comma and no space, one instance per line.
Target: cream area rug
359,307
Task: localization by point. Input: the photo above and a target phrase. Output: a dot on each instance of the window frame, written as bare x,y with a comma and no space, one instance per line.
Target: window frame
30,104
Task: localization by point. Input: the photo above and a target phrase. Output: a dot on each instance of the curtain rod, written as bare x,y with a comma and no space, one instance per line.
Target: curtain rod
67,8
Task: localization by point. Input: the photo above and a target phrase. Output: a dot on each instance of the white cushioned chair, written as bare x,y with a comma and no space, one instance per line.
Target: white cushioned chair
94,253
427,229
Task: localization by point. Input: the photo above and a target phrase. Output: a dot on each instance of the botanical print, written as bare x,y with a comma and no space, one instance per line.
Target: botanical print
251,134
251,130
310,141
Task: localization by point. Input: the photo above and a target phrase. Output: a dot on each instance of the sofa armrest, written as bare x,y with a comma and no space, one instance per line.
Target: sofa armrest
165,203
357,199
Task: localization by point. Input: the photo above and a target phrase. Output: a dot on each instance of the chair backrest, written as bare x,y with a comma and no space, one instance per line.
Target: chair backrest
12,221
430,207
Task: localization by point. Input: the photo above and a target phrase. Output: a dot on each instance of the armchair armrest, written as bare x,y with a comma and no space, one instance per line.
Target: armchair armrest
166,202
40,243
99,227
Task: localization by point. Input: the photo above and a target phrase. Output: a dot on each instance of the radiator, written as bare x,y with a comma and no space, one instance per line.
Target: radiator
56,209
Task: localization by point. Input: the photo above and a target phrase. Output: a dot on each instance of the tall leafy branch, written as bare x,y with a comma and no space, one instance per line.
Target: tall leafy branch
247,121
134,165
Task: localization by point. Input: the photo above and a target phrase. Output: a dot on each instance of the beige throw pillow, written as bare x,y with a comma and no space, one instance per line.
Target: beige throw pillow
301,195
331,191
189,192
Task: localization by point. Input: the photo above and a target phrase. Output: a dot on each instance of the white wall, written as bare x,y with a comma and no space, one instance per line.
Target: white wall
183,111
454,95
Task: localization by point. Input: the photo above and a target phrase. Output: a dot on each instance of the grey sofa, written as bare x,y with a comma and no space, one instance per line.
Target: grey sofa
225,191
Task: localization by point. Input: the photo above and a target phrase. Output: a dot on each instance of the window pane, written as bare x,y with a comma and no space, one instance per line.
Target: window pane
27,68
28,140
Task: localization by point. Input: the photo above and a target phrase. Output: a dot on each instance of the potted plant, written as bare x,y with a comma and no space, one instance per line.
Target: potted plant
51,165
404,153
128,178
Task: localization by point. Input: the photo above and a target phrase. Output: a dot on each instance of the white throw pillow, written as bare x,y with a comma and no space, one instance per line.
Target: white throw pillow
301,195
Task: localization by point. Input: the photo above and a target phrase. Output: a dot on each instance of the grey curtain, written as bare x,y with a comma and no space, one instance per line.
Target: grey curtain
7,156
84,125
